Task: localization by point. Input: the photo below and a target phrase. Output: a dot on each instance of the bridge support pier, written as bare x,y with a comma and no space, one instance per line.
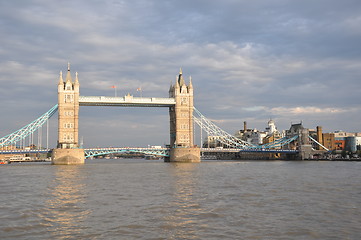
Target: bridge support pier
64,156
306,152
186,155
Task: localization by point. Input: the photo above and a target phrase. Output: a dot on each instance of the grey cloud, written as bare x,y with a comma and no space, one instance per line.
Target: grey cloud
249,60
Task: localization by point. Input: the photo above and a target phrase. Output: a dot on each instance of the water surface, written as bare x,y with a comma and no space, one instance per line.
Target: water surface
140,199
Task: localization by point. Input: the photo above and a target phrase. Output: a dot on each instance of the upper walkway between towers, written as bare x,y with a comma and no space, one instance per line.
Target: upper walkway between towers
126,101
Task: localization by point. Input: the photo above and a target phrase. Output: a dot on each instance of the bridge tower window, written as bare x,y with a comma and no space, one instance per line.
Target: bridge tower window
69,98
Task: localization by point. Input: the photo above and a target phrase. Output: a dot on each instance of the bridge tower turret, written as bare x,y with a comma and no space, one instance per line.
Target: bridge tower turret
181,122
67,151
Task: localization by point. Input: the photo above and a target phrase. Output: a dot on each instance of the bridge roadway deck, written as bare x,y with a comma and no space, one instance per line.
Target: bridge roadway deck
126,101
251,150
23,151
149,150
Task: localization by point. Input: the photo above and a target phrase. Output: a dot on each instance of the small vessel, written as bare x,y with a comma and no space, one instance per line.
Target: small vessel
19,158
4,162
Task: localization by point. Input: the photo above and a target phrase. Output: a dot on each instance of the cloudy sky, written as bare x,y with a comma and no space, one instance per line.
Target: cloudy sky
250,61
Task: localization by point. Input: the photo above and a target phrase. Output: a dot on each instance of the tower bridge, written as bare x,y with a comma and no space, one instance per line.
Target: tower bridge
161,152
180,104
182,115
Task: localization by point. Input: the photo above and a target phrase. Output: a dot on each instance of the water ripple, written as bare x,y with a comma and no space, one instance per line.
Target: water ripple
136,199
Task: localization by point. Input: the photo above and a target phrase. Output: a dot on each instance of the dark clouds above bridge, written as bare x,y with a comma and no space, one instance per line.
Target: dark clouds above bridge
249,60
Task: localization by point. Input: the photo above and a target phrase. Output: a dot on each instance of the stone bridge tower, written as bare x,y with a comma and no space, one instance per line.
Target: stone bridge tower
68,151
181,123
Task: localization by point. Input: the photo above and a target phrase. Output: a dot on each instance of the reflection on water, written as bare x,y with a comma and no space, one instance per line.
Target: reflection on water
137,199
184,223
65,208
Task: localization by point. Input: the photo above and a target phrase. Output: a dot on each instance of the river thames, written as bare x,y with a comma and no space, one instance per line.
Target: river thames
140,199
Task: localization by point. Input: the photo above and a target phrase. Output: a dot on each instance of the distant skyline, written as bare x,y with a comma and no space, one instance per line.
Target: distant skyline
291,61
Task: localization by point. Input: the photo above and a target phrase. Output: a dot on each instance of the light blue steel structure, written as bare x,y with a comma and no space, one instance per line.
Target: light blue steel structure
25,151
230,140
25,131
328,150
162,152
92,152
212,129
224,137
278,143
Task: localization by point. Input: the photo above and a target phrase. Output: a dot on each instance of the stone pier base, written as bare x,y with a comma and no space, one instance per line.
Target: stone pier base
306,152
67,156
190,155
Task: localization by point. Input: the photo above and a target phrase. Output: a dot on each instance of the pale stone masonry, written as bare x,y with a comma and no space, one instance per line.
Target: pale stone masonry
181,122
181,115
65,156
68,101
67,151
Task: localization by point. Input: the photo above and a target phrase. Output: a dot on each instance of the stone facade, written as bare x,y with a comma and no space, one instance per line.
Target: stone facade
68,109
181,122
68,122
186,155
67,156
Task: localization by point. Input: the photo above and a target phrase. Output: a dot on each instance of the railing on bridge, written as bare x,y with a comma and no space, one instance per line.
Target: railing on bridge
161,152
93,152
126,101
26,151
251,150
25,131
233,142
224,137
227,139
